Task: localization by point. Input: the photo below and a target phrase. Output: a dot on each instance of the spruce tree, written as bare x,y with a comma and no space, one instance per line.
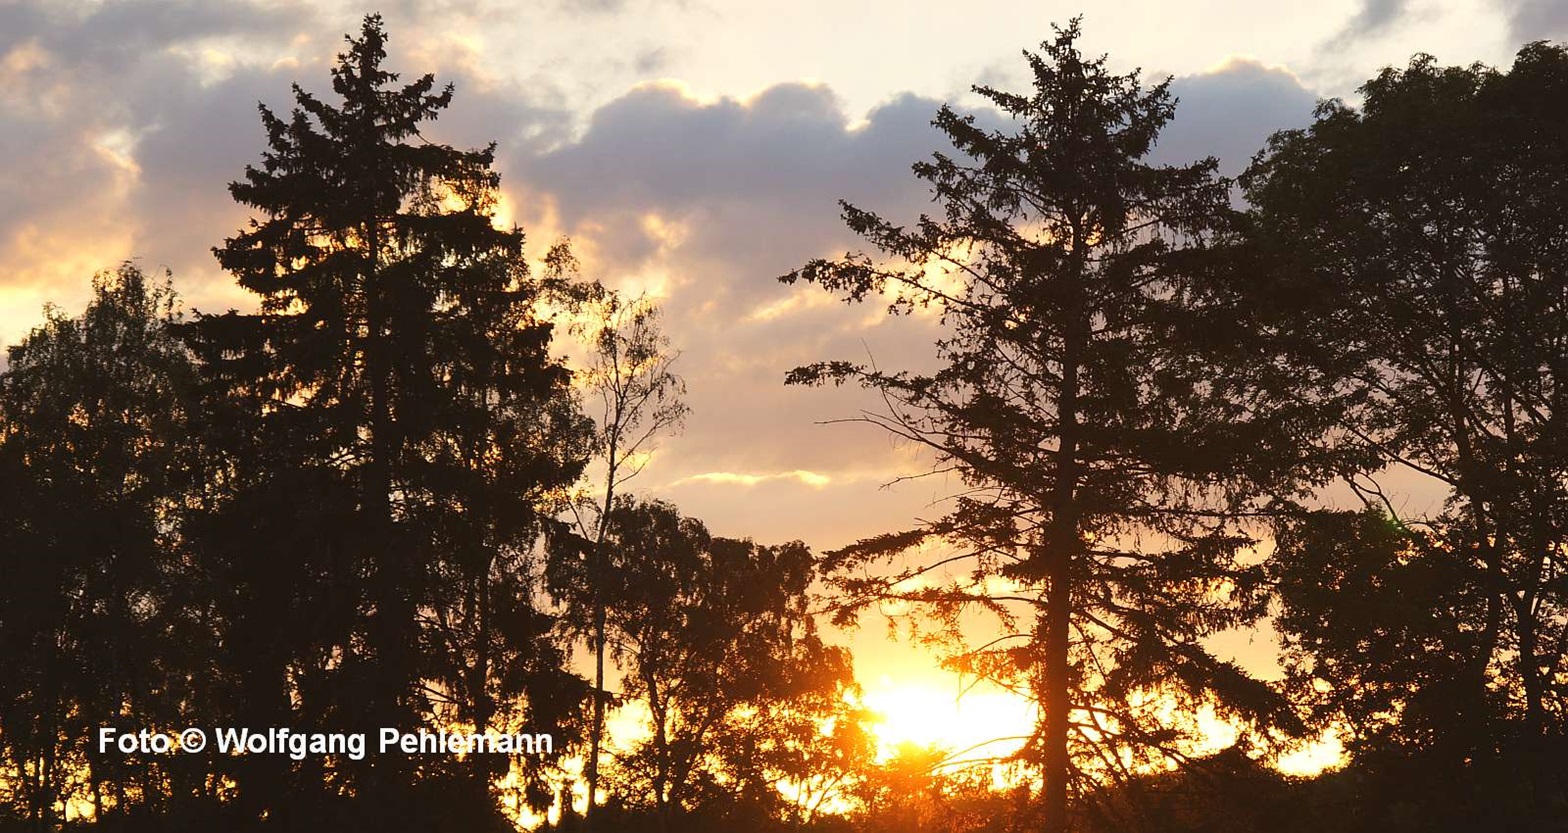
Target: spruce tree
399,364
1104,464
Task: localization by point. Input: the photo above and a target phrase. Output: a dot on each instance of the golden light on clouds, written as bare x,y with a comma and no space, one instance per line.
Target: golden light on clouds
451,52
681,88
667,232
118,147
19,310
503,213
800,299
1244,61
211,63
28,84
728,478
697,196
654,276
52,265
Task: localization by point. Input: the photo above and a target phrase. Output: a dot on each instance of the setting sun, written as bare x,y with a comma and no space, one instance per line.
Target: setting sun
980,723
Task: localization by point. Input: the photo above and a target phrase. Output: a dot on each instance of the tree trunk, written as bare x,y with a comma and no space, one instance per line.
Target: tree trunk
392,636
1061,550
596,579
596,733
1057,700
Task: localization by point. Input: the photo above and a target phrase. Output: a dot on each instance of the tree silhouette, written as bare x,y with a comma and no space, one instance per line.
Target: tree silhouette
634,394
94,455
1099,456
714,636
1417,287
397,387
918,789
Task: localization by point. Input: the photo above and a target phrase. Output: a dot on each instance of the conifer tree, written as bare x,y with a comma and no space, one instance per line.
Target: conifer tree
1102,460
399,377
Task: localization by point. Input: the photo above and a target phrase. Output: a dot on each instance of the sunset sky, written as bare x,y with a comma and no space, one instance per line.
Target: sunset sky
691,148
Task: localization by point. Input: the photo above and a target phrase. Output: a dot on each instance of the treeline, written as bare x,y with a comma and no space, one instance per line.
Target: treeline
1149,394
383,499
371,504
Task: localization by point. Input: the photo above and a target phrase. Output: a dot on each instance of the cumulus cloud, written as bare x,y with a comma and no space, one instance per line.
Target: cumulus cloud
123,123
1230,112
788,150
119,149
89,89
729,478
709,200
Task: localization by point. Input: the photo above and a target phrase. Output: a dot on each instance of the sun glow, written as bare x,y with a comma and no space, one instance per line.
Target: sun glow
987,722
1325,753
980,723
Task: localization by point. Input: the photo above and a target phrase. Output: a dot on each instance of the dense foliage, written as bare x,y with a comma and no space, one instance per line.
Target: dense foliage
1413,255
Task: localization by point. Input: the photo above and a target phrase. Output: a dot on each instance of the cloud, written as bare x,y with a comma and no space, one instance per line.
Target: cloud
125,149
729,478
101,38
1230,112
709,199
87,90
1373,18
124,122
1533,20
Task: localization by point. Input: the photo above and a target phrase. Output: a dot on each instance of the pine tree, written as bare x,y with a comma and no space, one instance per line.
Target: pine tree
398,364
1102,460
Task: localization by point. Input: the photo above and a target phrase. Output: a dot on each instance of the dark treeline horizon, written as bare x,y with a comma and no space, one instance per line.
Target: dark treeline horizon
385,499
